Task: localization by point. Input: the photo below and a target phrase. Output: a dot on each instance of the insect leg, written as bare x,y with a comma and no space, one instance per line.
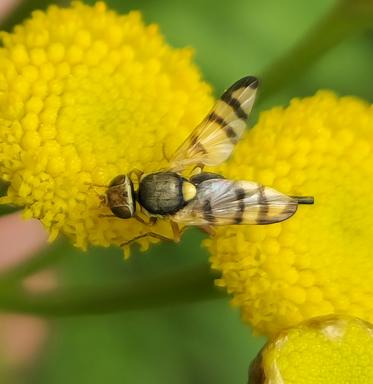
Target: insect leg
137,172
197,170
208,229
177,232
96,185
103,201
151,222
148,234
164,152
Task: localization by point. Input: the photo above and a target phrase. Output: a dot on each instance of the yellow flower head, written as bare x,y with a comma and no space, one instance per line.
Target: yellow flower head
86,95
320,261
321,351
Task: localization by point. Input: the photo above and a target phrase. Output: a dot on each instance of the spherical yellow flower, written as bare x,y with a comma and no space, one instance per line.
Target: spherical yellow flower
321,351
320,261
86,95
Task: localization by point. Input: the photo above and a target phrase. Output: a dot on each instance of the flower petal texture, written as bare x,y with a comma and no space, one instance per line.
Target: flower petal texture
86,95
320,261
324,350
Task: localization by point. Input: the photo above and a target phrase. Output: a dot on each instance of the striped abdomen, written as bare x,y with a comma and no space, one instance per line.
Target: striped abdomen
224,202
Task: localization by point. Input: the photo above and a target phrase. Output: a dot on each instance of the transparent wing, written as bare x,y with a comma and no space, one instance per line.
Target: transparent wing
224,202
213,140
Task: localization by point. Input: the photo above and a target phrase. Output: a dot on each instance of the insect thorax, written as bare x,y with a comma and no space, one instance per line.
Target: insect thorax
164,193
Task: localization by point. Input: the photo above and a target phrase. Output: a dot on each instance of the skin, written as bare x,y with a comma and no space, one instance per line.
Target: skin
6,6
22,337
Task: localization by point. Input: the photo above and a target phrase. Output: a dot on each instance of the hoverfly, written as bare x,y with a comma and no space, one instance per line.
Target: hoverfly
205,199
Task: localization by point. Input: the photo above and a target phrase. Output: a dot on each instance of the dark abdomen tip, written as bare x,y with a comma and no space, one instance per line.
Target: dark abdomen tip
304,199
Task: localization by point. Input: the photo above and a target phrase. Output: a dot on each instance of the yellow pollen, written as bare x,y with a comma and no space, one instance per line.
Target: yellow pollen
87,102
320,260
331,349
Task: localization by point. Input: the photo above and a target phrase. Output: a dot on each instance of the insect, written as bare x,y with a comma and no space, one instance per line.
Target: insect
205,199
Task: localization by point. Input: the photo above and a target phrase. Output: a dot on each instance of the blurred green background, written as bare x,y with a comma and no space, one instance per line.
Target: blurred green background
201,342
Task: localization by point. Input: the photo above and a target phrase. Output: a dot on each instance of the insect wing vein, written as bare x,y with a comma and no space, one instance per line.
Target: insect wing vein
224,202
212,141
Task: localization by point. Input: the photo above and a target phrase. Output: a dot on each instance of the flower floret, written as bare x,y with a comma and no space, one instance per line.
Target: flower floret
319,261
87,94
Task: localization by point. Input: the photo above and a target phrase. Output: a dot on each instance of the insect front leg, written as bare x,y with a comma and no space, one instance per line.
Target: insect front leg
96,185
148,234
102,197
177,232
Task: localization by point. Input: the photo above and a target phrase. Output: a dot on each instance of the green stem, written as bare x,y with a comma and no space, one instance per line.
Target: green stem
183,287
345,19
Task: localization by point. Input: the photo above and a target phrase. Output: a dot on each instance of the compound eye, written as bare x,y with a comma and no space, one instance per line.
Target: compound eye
123,212
118,180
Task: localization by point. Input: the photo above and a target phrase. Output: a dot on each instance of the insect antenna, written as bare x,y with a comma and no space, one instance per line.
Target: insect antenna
165,155
103,199
304,199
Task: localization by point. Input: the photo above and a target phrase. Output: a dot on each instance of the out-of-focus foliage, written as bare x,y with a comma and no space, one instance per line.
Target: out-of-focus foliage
184,344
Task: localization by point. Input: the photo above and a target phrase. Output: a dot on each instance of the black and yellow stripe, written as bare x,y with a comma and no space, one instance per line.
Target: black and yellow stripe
263,211
221,201
235,105
229,131
213,140
232,98
207,212
232,95
247,81
199,146
240,195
